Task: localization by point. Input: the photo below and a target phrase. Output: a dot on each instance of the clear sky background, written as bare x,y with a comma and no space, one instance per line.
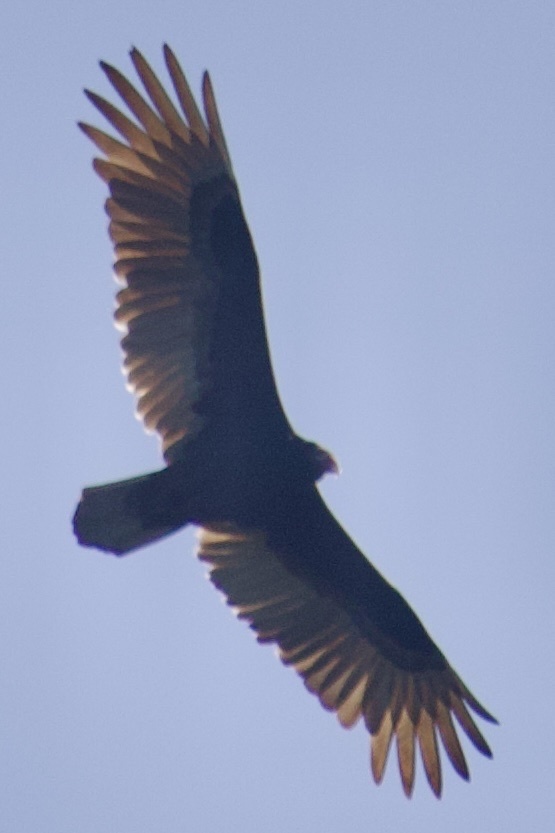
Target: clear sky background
396,163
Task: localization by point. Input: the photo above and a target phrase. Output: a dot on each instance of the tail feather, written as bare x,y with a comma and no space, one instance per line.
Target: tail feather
120,517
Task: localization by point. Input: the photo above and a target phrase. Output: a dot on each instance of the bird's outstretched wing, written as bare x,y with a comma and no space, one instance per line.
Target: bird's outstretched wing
195,344
303,584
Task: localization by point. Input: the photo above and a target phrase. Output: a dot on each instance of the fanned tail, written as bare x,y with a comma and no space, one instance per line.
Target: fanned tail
123,516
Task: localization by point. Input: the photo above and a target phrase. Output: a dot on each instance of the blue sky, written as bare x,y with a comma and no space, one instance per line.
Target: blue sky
396,166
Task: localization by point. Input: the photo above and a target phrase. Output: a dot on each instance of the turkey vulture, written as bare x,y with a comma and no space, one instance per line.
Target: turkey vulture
197,358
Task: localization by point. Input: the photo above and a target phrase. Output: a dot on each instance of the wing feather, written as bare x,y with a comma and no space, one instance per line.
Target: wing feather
213,118
404,732
397,680
186,98
379,748
427,742
450,740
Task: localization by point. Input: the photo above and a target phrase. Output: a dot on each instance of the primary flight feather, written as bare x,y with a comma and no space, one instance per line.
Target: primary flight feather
197,359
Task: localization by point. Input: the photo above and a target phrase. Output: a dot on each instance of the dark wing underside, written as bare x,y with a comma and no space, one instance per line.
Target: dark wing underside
195,346
354,640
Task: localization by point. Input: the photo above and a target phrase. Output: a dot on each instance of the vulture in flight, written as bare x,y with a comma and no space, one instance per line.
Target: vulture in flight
196,357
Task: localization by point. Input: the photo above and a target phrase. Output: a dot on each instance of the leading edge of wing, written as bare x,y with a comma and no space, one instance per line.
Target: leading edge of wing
393,677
